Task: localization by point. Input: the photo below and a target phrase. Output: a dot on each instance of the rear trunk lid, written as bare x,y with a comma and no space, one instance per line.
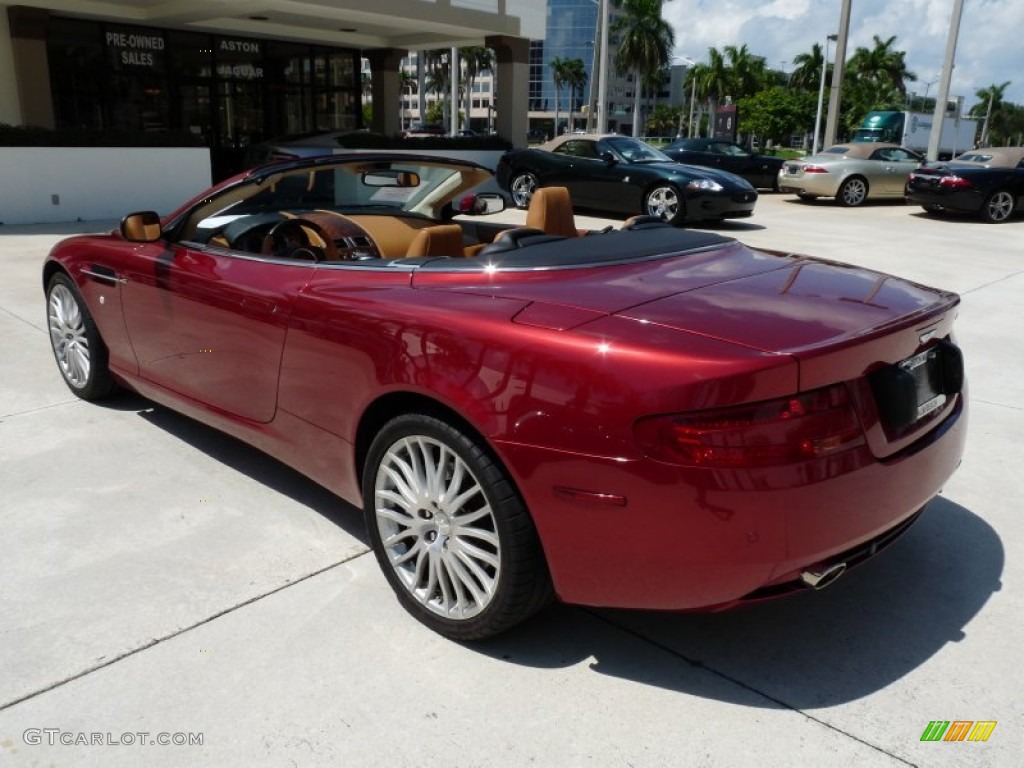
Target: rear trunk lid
839,322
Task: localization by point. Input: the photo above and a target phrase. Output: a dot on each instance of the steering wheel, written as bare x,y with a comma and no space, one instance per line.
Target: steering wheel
290,238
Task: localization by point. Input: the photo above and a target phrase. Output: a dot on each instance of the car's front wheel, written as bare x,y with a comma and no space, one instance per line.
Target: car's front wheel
998,207
665,202
522,186
852,192
449,530
80,352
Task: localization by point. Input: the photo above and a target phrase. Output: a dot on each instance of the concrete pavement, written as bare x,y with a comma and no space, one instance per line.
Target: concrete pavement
160,578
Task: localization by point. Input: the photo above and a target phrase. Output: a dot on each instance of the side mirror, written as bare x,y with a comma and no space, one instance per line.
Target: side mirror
609,158
141,227
481,204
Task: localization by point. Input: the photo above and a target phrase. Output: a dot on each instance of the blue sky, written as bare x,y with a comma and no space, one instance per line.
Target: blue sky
990,47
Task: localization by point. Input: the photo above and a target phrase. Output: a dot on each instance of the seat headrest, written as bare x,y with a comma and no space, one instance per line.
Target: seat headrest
551,211
442,240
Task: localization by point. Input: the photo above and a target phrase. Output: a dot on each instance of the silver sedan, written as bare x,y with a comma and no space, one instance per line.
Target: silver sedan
851,173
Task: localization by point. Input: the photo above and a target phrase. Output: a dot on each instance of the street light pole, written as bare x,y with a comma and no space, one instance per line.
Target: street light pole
947,73
693,91
821,94
832,123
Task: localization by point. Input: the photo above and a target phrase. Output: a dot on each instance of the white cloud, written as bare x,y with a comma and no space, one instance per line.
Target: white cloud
989,49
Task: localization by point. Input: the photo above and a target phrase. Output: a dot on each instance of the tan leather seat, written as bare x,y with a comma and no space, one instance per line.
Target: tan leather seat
442,240
551,211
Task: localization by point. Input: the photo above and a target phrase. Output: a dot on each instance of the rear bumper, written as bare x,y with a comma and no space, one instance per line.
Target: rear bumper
966,202
821,184
654,536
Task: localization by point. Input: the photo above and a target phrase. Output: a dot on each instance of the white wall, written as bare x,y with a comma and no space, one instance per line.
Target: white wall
97,183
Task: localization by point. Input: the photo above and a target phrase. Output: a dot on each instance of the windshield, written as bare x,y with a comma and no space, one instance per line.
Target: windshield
634,150
354,186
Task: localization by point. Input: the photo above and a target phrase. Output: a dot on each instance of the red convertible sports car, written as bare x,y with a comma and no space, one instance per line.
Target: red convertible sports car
644,417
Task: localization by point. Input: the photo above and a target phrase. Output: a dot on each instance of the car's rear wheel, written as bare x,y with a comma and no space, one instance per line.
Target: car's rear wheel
522,186
852,192
998,207
449,530
80,352
806,196
665,202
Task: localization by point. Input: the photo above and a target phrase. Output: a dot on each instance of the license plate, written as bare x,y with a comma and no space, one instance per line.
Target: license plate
913,388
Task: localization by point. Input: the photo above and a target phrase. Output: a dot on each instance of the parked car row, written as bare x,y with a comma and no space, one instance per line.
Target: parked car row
988,182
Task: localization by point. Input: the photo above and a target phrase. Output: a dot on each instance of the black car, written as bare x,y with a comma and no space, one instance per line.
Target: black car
760,170
988,182
624,175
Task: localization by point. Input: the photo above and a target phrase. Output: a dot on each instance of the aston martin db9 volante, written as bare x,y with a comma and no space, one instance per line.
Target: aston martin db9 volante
988,182
644,417
851,173
625,175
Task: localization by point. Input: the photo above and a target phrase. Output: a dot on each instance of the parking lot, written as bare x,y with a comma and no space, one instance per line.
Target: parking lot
160,578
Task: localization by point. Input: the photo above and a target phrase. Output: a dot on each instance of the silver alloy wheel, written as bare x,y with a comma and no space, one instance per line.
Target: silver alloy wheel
67,334
437,527
523,186
662,202
999,206
853,192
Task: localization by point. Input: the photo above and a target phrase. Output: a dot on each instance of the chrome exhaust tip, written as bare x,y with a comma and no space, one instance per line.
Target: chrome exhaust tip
819,579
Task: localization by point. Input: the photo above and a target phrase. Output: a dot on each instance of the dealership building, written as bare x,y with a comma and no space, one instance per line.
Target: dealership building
226,74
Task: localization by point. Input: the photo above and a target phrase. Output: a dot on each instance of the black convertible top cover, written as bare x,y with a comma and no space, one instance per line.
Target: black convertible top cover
595,249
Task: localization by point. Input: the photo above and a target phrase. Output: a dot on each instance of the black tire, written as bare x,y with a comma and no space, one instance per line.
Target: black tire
852,192
467,571
79,350
666,202
998,207
521,187
806,196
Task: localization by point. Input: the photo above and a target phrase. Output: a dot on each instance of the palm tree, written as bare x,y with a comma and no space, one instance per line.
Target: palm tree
436,80
746,72
576,79
407,85
476,60
884,67
713,82
645,45
990,104
807,73
558,74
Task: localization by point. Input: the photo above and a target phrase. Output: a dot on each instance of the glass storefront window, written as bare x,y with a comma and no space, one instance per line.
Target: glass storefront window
138,104
190,54
77,71
240,113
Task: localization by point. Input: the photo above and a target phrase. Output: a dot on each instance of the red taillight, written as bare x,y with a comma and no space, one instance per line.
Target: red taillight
812,425
954,182
815,169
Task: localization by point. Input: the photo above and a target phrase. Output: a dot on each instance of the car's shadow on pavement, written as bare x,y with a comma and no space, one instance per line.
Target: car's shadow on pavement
873,627
249,461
